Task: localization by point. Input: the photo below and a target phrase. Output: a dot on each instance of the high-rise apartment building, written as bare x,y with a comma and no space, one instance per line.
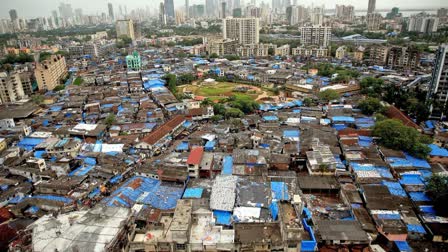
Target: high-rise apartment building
65,10
374,21
11,88
245,30
211,8
187,8
223,12
317,16
442,12
423,23
315,35
438,86
169,8
371,7
50,72
296,14
13,15
403,57
125,28
111,11
345,12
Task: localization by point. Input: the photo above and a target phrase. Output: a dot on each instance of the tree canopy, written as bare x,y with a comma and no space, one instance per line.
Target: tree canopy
437,188
393,134
371,106
372,87
328,95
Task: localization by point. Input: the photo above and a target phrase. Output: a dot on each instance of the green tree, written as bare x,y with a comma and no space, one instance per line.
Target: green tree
216,118
393,134
59,88
437,188
213,56
307,101
219,109
328,95
206,102
110,119
372,86
78,81
370,106
234,113
271,51
171,80
38,99
44,56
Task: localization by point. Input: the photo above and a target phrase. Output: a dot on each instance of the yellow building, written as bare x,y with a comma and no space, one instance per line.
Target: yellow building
50,72
125,28
2,144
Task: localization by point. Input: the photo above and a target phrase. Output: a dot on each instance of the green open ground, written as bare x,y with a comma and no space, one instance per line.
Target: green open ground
221,90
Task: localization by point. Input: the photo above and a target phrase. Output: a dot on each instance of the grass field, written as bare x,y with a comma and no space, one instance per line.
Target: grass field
221,90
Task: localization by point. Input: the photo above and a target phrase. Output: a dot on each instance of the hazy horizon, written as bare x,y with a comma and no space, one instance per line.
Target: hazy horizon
28,8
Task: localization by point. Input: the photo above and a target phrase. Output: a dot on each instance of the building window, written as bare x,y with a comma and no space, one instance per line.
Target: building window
181,247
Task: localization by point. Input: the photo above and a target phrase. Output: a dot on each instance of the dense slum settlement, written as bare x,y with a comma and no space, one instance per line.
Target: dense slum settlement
160,176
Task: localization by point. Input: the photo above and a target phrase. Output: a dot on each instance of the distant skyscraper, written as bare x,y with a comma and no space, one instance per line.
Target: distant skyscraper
210,8
162,15
345,12
373,21
169,8
223,10
111,11
236,4
187,8
423,23
371,7
65,10
13,15
442,12
438,86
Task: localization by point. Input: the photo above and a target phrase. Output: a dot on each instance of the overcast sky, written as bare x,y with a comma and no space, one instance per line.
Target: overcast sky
34,8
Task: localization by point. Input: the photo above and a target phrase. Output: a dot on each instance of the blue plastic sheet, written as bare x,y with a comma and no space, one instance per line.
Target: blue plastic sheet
227,165
279,190
147,191
193,193
223,217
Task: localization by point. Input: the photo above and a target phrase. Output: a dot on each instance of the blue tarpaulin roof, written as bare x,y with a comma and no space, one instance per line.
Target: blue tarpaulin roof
222,217
394,188
270,118
54,198
428,210
81,171
28,143
389,216
183,146
411,179
279,190
409,161
438,151
348,119
403,246
416,228
227,165
193,193
209,146
419,196
291,133
147,191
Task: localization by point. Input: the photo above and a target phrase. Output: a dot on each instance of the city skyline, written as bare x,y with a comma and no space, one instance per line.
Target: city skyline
25,9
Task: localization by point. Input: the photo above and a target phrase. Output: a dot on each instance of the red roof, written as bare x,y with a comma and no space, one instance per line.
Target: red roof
395,113
163,130
195,157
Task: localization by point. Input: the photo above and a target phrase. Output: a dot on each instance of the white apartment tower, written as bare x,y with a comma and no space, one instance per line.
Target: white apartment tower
438,86
315,35
245,30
